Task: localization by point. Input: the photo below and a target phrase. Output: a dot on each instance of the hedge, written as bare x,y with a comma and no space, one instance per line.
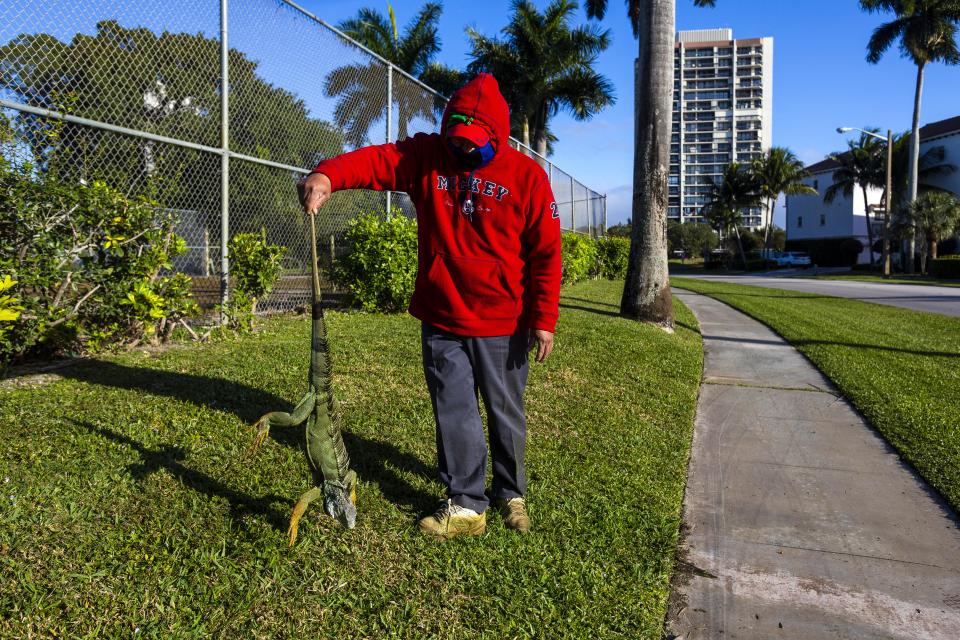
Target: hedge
945,267
613,255
579,256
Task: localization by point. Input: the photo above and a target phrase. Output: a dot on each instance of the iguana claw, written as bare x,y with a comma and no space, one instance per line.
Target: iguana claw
263,430
298,510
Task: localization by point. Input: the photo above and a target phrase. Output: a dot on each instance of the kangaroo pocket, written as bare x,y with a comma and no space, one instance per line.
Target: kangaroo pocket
461,287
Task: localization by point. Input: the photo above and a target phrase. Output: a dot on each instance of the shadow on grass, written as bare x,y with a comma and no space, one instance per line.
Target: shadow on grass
593,302
245,402
689,327
373,460
611,314
602,312
170,457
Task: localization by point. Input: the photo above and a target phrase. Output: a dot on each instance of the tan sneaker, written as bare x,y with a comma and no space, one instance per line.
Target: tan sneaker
514,512
452,520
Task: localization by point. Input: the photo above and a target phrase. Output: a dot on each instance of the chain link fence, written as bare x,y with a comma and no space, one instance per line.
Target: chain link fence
133,94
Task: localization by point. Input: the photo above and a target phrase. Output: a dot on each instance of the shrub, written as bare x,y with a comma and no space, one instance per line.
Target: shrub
236,314
692,238
87,261
579,254
10,310
612,256
945,267
757,264
717,260
254,269
380,265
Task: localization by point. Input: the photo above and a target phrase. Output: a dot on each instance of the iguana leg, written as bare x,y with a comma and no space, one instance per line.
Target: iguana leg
299,509
298,416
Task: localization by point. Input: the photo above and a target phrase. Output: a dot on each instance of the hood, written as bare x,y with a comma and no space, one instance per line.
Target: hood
481,99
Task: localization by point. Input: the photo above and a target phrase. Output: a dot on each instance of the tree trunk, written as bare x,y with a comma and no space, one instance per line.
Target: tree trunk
541,146
540,134
866,213
646,292
526,135
768,232
914,160
933,249
743,255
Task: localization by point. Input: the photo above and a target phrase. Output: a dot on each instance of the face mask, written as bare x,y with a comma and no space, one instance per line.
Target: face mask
479,157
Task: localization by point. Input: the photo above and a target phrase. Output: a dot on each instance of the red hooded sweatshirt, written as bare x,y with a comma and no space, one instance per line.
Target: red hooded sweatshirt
491,272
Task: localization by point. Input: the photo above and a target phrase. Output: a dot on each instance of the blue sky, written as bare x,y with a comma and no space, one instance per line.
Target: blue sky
821,77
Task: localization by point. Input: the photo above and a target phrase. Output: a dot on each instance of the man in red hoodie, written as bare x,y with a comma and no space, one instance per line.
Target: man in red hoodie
487,289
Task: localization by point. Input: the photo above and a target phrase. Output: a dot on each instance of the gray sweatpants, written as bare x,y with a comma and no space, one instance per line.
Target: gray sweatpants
456,369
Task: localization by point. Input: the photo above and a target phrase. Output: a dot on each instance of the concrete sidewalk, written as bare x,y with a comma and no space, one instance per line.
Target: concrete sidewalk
802,522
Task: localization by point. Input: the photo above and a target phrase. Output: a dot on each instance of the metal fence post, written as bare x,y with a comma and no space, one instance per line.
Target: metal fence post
573,207
224,159
389,125
604,214
589,207
205,269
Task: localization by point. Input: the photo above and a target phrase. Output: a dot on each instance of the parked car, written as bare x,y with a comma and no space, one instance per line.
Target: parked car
792,259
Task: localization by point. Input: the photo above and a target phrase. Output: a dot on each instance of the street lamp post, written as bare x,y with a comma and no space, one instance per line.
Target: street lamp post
888,194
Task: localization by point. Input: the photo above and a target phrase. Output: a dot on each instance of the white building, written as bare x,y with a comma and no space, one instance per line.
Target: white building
809,218
722,112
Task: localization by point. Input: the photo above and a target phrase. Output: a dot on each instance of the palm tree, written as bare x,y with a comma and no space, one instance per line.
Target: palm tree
862,165
927,32
543,66
933,216
646,292
361,85
739,189
778,171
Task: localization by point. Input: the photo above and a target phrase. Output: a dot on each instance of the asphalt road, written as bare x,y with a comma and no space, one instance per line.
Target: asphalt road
943,300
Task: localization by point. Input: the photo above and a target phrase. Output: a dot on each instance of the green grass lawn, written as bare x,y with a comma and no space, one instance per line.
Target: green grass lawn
130,510
898,279
900,368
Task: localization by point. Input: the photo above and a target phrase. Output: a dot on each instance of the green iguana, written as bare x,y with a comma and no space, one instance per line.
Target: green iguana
326,453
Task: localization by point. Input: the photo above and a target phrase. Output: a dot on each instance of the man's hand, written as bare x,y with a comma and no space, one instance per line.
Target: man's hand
543,340
314,191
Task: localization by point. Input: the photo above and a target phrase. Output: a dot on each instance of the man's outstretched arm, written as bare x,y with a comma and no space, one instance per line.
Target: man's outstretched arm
382,167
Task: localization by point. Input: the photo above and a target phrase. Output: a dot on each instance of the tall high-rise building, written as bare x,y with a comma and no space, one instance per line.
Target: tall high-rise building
722,113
